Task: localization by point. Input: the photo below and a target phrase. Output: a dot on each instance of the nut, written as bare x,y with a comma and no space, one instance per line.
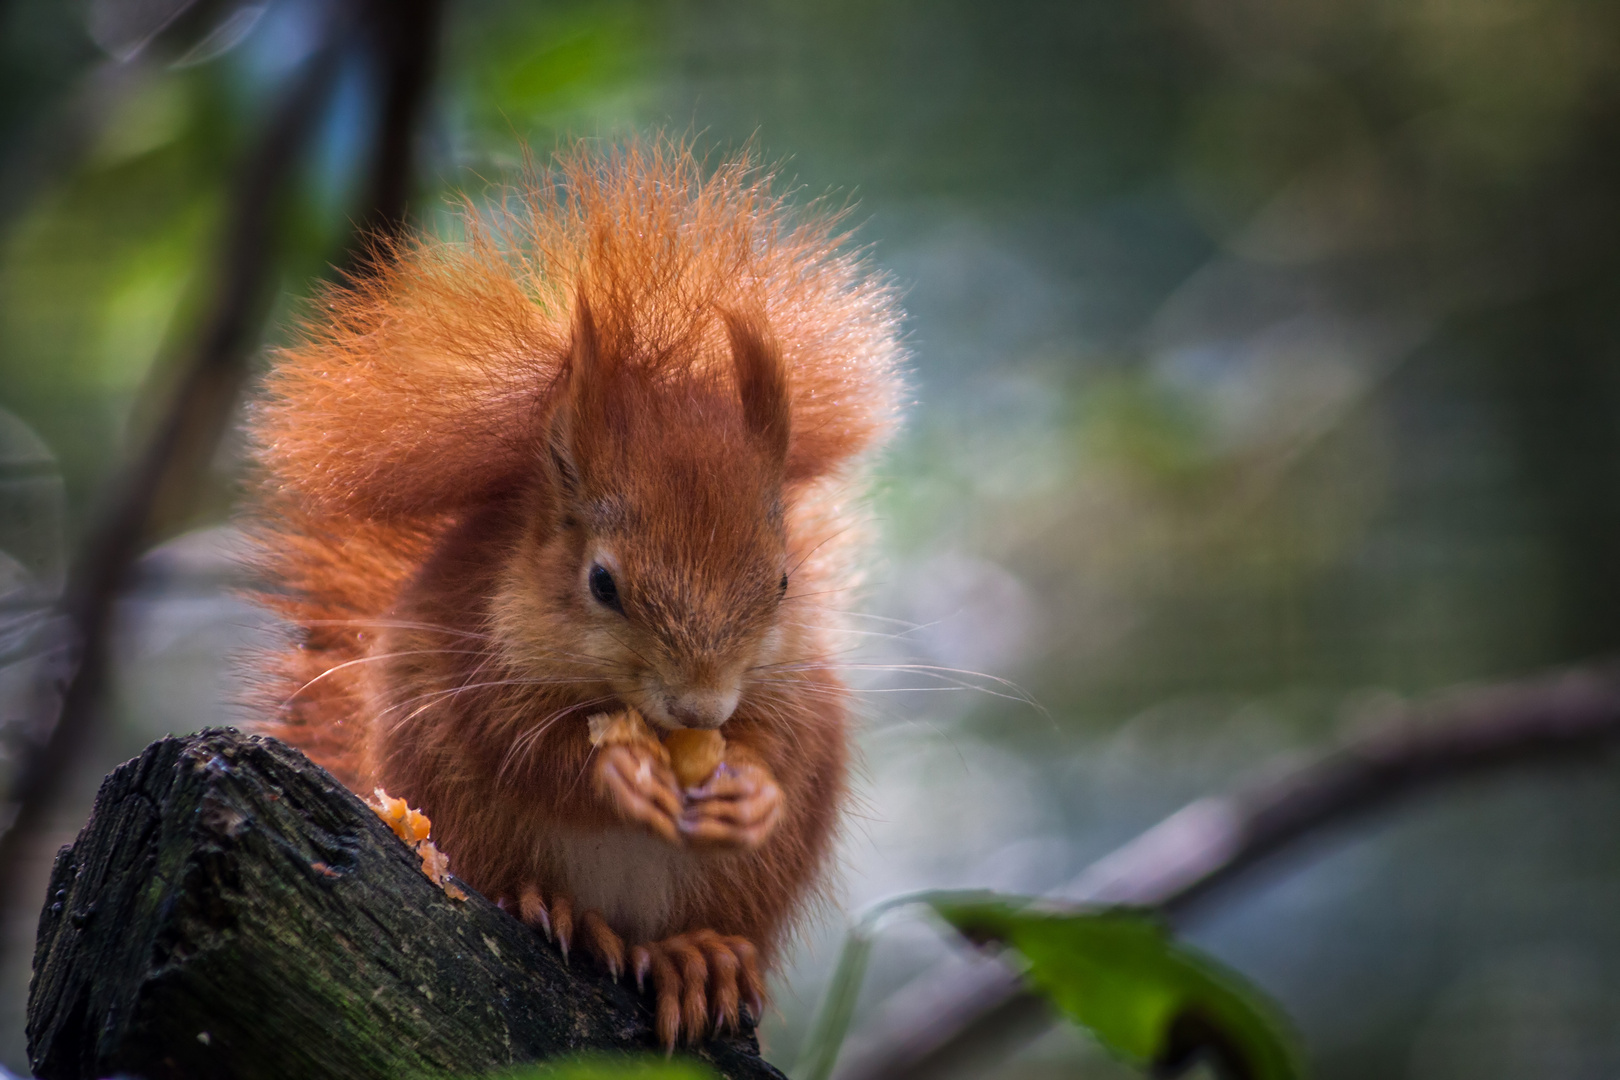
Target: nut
694,754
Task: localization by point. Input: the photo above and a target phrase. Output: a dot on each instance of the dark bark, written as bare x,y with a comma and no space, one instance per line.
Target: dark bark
231,911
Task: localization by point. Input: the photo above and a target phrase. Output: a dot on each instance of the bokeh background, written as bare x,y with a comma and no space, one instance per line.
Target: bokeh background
1266,370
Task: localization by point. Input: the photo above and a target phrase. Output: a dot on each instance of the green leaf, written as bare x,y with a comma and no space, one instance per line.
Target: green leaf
1146,998
613,1067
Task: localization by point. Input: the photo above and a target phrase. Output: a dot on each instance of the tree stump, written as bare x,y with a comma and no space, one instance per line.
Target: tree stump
231,910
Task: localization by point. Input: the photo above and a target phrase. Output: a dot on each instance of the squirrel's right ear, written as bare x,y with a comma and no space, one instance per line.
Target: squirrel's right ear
761,384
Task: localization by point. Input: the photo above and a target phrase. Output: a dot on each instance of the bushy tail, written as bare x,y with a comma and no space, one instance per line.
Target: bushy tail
336,583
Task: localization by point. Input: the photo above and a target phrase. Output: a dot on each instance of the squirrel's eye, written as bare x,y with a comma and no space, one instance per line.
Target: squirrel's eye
604,589
783,590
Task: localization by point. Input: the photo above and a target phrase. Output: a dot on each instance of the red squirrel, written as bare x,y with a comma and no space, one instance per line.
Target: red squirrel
598,455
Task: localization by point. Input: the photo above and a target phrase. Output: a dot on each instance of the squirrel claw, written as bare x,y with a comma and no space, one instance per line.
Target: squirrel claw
640,963
555,921
532,910
737,808
562,921
699,981
603,943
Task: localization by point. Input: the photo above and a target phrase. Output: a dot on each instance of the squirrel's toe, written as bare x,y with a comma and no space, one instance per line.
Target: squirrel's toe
532,910
562,923
666,982
555,920
724,996
602,943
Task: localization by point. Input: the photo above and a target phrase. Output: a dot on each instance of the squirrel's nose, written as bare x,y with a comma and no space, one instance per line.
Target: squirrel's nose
702,708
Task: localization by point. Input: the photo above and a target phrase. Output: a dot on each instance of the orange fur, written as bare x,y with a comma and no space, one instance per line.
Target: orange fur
639,367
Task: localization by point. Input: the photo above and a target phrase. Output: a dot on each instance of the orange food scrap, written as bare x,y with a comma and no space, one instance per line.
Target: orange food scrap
413,827
436,865
694,754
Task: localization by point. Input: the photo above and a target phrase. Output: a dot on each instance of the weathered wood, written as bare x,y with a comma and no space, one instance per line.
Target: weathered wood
230,910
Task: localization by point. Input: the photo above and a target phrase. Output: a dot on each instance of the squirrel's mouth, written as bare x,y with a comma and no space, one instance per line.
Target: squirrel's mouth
657,716
651,709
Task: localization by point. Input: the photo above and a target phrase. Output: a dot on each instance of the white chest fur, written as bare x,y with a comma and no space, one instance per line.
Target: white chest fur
639,883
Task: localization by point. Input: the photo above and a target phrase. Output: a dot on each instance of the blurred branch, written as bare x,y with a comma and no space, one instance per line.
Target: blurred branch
405,34
175,457
946,1019
162,481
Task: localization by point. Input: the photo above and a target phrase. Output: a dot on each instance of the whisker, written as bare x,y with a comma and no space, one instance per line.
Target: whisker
897,690
394,624
875,618
402,624
526,742
372,659
823,543
633,652
1010,691
431,697
819,592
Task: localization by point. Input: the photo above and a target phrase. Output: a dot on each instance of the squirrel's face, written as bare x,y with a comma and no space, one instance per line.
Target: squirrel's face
653,566
666,586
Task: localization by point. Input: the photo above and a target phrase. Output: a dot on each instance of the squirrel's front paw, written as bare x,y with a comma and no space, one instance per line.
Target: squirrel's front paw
641,787
736,808
695,975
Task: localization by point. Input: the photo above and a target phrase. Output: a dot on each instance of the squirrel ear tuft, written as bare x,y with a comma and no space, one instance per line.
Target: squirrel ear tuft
583,410
762,384
585,390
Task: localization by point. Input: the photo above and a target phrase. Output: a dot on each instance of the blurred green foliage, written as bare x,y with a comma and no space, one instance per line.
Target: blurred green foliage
613,1067
1120,975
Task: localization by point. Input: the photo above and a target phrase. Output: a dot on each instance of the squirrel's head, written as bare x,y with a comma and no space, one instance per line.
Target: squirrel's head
653,563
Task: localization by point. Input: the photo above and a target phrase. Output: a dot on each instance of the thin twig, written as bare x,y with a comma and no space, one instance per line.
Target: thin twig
946,1019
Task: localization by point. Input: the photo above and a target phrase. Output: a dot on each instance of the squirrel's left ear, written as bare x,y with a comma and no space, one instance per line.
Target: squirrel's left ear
762,385
586,376
582,413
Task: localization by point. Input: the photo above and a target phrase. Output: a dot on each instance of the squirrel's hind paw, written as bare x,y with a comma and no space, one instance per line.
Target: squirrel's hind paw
699,980
556,921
